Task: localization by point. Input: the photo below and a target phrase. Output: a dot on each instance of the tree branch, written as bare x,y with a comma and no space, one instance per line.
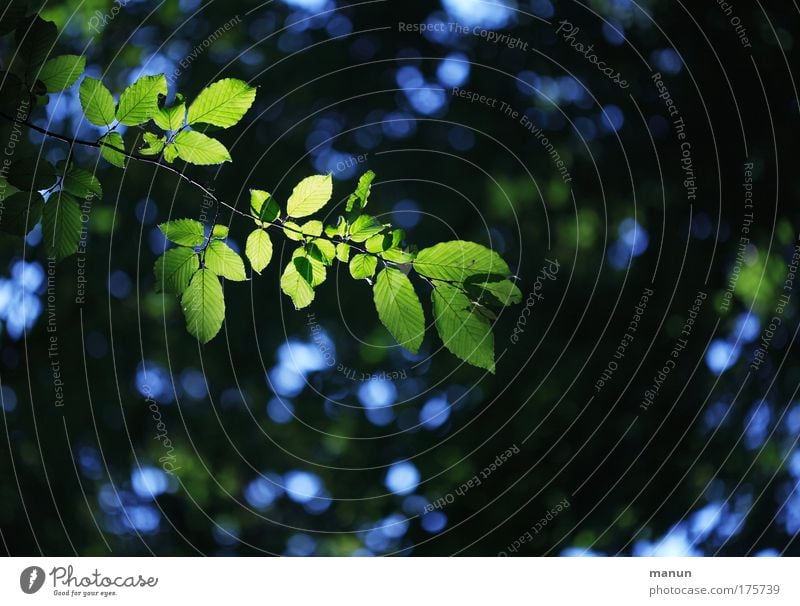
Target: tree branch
73,141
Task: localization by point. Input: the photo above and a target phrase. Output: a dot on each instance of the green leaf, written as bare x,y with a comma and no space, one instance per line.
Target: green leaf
358,199
171,118
504,292
21,211
97,103
311,268
363,266
139,102
112,142
224,261
464,332
31,174
223,103
340,229
204,305
379,243
220,231
263,206
154,144
61,225
175,268
6,189
398,235
170,153
186,232
396,255
258,249
295,284
293,231
322,250
62,72
311,228
364,227
343,252
310,195
399,308
82,184
35,39
457,260
201,149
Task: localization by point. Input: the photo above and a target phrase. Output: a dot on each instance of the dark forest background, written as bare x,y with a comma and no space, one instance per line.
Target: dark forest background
273,451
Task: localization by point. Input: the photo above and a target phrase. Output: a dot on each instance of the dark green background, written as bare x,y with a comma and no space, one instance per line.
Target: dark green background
642,483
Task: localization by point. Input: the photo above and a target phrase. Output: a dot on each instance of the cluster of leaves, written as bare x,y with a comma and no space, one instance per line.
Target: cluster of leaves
172,134
34,191
467,281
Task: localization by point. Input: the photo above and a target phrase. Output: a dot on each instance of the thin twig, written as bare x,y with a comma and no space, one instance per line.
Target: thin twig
100,144
73,141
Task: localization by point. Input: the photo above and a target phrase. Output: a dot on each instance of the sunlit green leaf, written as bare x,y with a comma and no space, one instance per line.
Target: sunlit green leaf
311,228
139,102
224,261
97,103
343,252
61,72
296,284
258,249
220,231
364,227
171,118
363,266
465,332
310,195
111,143
154,144
399,308
197,148
223,103
340,229
396,255
312,269
378,243
358,199
175,268
186,232
263,206
504,292
292,231
457,260
322,250
203,305
170,153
